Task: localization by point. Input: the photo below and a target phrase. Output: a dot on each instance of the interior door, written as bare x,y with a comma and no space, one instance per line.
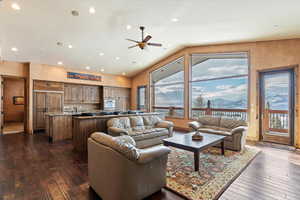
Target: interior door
1,106
39,110
277,106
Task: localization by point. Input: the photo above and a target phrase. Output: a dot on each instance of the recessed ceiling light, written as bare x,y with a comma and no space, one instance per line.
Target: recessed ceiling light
60,63
128,27
123,73
117,58
70,46
87,67
15,49
174,20
15,6
101,54
102,70
92,10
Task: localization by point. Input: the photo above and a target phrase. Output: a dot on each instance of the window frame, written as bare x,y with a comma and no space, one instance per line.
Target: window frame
138,98
218,56
152,87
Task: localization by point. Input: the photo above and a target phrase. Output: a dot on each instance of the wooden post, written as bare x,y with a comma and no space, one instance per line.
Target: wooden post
208,109
267,117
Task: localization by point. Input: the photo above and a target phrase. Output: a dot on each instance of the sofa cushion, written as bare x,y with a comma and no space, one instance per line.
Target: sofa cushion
151,133
125,145
217,128
209,120
214,131
121,122
150,121
231,123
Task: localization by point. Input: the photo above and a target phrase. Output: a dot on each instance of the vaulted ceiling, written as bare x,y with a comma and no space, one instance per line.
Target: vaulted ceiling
98,39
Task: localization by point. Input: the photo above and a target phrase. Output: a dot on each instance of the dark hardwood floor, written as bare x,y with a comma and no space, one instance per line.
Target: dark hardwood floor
31,168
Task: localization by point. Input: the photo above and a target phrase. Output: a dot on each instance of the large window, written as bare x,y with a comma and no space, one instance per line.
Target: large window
167,84
219,85
141,98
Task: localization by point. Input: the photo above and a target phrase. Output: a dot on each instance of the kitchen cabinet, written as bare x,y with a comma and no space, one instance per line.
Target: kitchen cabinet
45,102
121,97
48,86
77,94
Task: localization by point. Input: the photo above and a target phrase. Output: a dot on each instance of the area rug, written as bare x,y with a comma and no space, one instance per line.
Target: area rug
216,172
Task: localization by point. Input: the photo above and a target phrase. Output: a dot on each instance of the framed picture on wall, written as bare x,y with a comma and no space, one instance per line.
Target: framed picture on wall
18,100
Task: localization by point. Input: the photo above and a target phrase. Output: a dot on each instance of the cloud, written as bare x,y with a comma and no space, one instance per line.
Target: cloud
224,87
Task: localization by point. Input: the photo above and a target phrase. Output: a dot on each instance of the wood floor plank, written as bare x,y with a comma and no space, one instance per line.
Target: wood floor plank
31,168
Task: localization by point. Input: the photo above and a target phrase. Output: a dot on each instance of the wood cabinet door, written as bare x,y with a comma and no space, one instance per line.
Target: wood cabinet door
96,94
67,93
76,94
54,102
87,94
48,85
39,110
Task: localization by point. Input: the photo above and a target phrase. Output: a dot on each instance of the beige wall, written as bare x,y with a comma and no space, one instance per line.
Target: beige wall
262,55
59,74
13,69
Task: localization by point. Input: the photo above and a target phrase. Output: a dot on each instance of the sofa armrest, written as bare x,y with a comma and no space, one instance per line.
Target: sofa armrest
152,153
243,130
164,124
113,131
239,129
195,125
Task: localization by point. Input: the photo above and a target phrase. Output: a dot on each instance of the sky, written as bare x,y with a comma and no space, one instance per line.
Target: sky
223,93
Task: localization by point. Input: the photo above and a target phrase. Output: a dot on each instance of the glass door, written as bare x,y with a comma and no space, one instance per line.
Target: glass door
277,106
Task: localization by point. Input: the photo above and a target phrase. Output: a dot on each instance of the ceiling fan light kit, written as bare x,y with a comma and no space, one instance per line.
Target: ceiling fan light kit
144,42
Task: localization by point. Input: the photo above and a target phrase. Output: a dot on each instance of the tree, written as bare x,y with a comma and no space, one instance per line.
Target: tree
199,102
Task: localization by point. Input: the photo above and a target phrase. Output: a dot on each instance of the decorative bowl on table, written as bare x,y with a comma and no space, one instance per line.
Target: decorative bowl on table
197,136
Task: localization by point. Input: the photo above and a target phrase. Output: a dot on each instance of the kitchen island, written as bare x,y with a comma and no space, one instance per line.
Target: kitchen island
78,126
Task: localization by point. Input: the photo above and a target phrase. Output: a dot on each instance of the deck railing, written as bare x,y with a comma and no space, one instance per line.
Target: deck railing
274,120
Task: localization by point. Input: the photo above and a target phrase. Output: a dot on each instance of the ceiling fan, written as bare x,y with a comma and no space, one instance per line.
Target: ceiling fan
142,44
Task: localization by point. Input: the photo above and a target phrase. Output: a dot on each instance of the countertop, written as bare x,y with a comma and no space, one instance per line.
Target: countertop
71,113
111,116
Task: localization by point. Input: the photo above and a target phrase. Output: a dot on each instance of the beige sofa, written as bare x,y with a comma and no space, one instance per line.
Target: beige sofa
145,130
234,129
119,171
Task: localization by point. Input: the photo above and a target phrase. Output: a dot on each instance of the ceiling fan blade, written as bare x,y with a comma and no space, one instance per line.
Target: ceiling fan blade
133,46
147,38
132,40
155,44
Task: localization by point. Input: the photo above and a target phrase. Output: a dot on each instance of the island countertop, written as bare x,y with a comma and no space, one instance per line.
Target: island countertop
112,116
71,113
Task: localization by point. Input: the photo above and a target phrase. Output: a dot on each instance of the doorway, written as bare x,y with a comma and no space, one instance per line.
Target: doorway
13,104
277,104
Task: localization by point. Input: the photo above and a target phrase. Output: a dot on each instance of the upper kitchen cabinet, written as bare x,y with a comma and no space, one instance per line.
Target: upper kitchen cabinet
117,98
91,94
48,86
78,94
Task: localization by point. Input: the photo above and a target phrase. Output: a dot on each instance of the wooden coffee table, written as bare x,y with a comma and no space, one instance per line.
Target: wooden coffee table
185,142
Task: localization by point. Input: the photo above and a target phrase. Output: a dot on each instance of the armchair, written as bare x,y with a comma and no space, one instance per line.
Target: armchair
118,170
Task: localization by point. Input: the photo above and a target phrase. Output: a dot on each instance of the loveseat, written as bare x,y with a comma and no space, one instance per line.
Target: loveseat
119,171
234,129
147,130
